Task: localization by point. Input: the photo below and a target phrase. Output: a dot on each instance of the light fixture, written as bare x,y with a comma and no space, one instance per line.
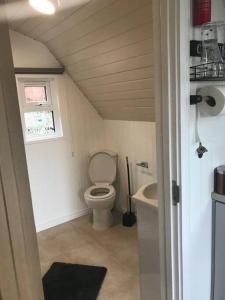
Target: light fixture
43,6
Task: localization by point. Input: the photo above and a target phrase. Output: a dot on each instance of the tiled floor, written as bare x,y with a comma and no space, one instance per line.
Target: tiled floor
116,249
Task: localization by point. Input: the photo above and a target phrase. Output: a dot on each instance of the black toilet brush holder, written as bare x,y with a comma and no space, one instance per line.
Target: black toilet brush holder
129,218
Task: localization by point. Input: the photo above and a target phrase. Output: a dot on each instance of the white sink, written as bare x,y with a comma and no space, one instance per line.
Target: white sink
147,194
148,239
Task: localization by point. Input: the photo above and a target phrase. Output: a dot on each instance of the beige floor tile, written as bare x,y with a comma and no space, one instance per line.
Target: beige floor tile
116,249
129,290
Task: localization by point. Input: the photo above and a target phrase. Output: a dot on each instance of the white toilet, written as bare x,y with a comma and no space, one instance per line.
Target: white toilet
101,196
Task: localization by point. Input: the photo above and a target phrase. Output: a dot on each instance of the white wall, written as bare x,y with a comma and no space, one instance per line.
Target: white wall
58,168
28,53
136,140
201,183
197,218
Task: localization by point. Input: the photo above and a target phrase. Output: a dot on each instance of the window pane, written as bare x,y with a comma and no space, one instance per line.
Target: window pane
39,124
35,94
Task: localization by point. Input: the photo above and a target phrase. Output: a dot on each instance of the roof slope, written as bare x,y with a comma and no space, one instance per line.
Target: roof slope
106,47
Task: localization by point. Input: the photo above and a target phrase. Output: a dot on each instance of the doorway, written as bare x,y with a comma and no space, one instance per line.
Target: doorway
73,141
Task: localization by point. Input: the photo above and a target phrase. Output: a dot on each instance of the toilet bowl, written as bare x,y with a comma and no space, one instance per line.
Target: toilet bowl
100,197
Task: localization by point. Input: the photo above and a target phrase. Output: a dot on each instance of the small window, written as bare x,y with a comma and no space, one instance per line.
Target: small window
39,123
39,109
35,94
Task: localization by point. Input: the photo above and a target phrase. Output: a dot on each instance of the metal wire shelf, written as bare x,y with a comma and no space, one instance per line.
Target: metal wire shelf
208,72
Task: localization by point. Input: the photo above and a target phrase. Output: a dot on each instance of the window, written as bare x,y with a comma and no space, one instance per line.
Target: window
39,123
35,94
39,109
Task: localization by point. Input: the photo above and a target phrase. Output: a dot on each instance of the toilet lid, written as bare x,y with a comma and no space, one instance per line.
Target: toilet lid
102,168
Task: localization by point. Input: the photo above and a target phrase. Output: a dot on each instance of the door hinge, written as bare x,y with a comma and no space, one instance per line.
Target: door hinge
176,193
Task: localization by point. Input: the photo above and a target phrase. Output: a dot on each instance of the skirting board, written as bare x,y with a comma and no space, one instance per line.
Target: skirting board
61,220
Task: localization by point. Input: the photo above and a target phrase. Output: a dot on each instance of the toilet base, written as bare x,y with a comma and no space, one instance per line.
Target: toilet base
102,219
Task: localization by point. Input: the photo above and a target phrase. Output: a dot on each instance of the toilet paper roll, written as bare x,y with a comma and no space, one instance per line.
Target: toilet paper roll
218,93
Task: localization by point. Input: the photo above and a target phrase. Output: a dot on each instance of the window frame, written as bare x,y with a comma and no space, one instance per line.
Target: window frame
52,104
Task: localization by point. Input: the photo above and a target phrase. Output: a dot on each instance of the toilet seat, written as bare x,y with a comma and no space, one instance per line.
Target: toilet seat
100,197
100,192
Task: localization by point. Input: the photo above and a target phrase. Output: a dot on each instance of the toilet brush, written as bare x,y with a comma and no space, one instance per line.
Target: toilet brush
129,218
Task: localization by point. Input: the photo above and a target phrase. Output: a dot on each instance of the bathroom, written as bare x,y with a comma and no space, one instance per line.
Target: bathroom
95,62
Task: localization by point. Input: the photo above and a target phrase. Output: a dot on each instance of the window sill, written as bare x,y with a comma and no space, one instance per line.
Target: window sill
44,140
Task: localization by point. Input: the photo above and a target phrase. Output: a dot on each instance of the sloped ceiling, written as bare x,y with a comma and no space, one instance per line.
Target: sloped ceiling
106,47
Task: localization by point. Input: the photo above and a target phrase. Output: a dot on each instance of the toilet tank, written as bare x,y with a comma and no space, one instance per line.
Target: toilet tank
103,166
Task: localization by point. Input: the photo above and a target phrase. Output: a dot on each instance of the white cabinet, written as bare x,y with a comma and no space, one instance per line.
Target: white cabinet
148,238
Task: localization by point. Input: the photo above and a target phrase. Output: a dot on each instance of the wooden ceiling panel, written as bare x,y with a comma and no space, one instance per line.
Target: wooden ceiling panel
113,68
134,94
84,13
134,114
51,23
126,76
119,41
134,50
106,47
105,33
142,84
125,103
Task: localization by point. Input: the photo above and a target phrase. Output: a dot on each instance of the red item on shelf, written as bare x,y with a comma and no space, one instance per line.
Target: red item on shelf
201,12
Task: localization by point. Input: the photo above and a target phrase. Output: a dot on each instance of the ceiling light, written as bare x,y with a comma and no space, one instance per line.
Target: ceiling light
43,6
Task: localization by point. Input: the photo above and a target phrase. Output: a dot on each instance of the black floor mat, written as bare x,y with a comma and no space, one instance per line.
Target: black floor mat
73,282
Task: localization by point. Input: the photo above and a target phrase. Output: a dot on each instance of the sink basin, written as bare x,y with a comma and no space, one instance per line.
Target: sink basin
147,194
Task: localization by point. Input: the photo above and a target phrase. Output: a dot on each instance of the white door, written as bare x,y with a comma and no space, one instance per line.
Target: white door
8,282
166,43
17,221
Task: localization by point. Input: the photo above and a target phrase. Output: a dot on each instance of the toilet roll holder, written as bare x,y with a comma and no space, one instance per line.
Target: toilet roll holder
196,99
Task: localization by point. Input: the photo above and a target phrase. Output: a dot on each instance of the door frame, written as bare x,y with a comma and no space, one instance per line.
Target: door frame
168,69
166,16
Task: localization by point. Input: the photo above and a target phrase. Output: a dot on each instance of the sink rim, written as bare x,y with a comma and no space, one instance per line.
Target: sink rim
139,197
